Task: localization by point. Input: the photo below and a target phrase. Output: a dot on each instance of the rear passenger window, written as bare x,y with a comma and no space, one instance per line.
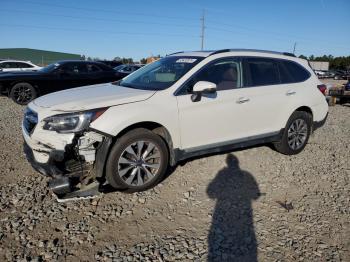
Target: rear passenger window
261,71
23,65
93,68
295,72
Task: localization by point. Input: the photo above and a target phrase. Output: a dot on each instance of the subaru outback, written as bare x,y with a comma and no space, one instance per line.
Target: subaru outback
127,133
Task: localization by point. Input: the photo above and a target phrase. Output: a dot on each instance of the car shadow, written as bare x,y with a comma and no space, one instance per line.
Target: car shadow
106,189
232,235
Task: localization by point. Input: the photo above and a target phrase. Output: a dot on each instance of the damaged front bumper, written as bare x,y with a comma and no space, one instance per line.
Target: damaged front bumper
75,161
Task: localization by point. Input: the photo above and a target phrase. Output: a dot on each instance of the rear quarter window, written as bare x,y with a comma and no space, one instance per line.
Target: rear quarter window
292,72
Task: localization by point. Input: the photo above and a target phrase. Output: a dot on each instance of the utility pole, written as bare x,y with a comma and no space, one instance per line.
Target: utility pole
203,27
295,45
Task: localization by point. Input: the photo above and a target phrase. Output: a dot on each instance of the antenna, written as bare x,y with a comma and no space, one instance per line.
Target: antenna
203,27
295,45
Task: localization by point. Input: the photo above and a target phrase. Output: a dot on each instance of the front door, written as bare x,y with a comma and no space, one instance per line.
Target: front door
213,119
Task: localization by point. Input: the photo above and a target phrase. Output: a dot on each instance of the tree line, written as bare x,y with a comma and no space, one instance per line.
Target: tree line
339,62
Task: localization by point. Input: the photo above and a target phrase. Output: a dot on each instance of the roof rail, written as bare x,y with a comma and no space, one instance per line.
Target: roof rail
289,54
251,50
175,53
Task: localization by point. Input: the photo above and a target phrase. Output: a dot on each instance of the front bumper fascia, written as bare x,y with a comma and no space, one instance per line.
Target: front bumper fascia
48,169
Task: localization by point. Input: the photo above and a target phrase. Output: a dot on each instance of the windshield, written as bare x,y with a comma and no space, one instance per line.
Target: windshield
119,67
161,74
49,68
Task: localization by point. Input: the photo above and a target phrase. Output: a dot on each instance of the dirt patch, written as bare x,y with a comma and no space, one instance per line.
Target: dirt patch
226,206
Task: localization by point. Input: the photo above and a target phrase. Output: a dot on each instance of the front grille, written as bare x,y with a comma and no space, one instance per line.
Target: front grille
30,120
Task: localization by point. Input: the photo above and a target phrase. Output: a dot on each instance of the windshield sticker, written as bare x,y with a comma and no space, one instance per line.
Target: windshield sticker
186,60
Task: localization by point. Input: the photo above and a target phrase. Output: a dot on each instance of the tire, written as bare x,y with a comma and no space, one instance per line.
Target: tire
22,93
297,119
134,164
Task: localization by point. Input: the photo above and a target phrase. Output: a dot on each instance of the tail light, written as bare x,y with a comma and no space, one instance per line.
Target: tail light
322,88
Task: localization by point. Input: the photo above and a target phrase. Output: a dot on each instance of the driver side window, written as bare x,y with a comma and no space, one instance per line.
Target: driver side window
225,73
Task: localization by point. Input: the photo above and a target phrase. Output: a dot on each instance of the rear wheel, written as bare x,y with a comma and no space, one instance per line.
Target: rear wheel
296,134
23,93
138,161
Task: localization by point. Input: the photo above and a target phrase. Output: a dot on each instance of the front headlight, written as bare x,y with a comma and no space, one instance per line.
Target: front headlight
72,122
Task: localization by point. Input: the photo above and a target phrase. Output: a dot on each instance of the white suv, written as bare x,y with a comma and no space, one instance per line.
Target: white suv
183,105
14,65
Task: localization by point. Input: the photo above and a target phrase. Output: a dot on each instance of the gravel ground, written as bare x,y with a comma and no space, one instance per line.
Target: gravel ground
251,204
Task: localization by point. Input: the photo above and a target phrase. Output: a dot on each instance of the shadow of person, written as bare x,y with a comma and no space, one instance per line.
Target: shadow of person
232,236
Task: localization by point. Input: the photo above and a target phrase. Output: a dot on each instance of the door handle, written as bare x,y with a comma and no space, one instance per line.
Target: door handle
242,100
290,93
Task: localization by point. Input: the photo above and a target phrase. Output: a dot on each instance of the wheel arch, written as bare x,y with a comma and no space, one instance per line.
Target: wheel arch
305,109
158,129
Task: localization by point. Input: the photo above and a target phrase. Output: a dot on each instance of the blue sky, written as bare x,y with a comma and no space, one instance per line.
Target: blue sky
110,28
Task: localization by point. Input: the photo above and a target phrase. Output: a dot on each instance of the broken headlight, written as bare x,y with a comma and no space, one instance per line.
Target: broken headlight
73,122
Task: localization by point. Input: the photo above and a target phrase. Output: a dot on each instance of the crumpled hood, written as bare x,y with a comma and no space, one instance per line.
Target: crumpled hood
90,97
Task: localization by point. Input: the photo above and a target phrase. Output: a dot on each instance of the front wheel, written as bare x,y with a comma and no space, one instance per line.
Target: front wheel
296,134
138,161
23,93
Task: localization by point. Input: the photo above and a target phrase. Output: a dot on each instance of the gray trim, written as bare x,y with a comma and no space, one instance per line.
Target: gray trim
228,145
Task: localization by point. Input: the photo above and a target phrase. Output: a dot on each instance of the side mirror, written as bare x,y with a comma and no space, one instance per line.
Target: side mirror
202,87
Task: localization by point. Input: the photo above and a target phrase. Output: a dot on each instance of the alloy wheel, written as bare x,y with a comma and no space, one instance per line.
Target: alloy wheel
22,94
139,163
297,134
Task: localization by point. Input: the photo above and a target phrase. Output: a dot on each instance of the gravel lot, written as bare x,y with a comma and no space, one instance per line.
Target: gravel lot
252,204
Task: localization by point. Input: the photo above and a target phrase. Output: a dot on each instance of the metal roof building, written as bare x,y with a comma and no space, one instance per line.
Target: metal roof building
36,56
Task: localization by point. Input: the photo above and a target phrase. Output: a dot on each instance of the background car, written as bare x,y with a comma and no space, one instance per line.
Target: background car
112,63
14,65
23,87
347,86
341,74
127,69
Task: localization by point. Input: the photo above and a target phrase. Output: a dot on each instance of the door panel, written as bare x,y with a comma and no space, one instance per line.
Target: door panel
259,108
212,119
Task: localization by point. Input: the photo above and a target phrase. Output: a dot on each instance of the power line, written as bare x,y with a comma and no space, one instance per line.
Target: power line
99,19
278,36
94,31
107,11
272,33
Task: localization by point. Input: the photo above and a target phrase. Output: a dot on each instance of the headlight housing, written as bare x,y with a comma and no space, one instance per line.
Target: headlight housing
72,122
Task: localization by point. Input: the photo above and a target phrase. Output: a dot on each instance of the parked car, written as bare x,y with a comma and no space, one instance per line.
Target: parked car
347,86
127,69
320,73
23,87
14,65
181,106
341,75
112,63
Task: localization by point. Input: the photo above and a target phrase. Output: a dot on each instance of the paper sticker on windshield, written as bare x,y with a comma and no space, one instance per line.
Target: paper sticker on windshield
186,60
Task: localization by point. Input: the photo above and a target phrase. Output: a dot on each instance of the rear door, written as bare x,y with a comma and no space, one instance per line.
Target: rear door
266,109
